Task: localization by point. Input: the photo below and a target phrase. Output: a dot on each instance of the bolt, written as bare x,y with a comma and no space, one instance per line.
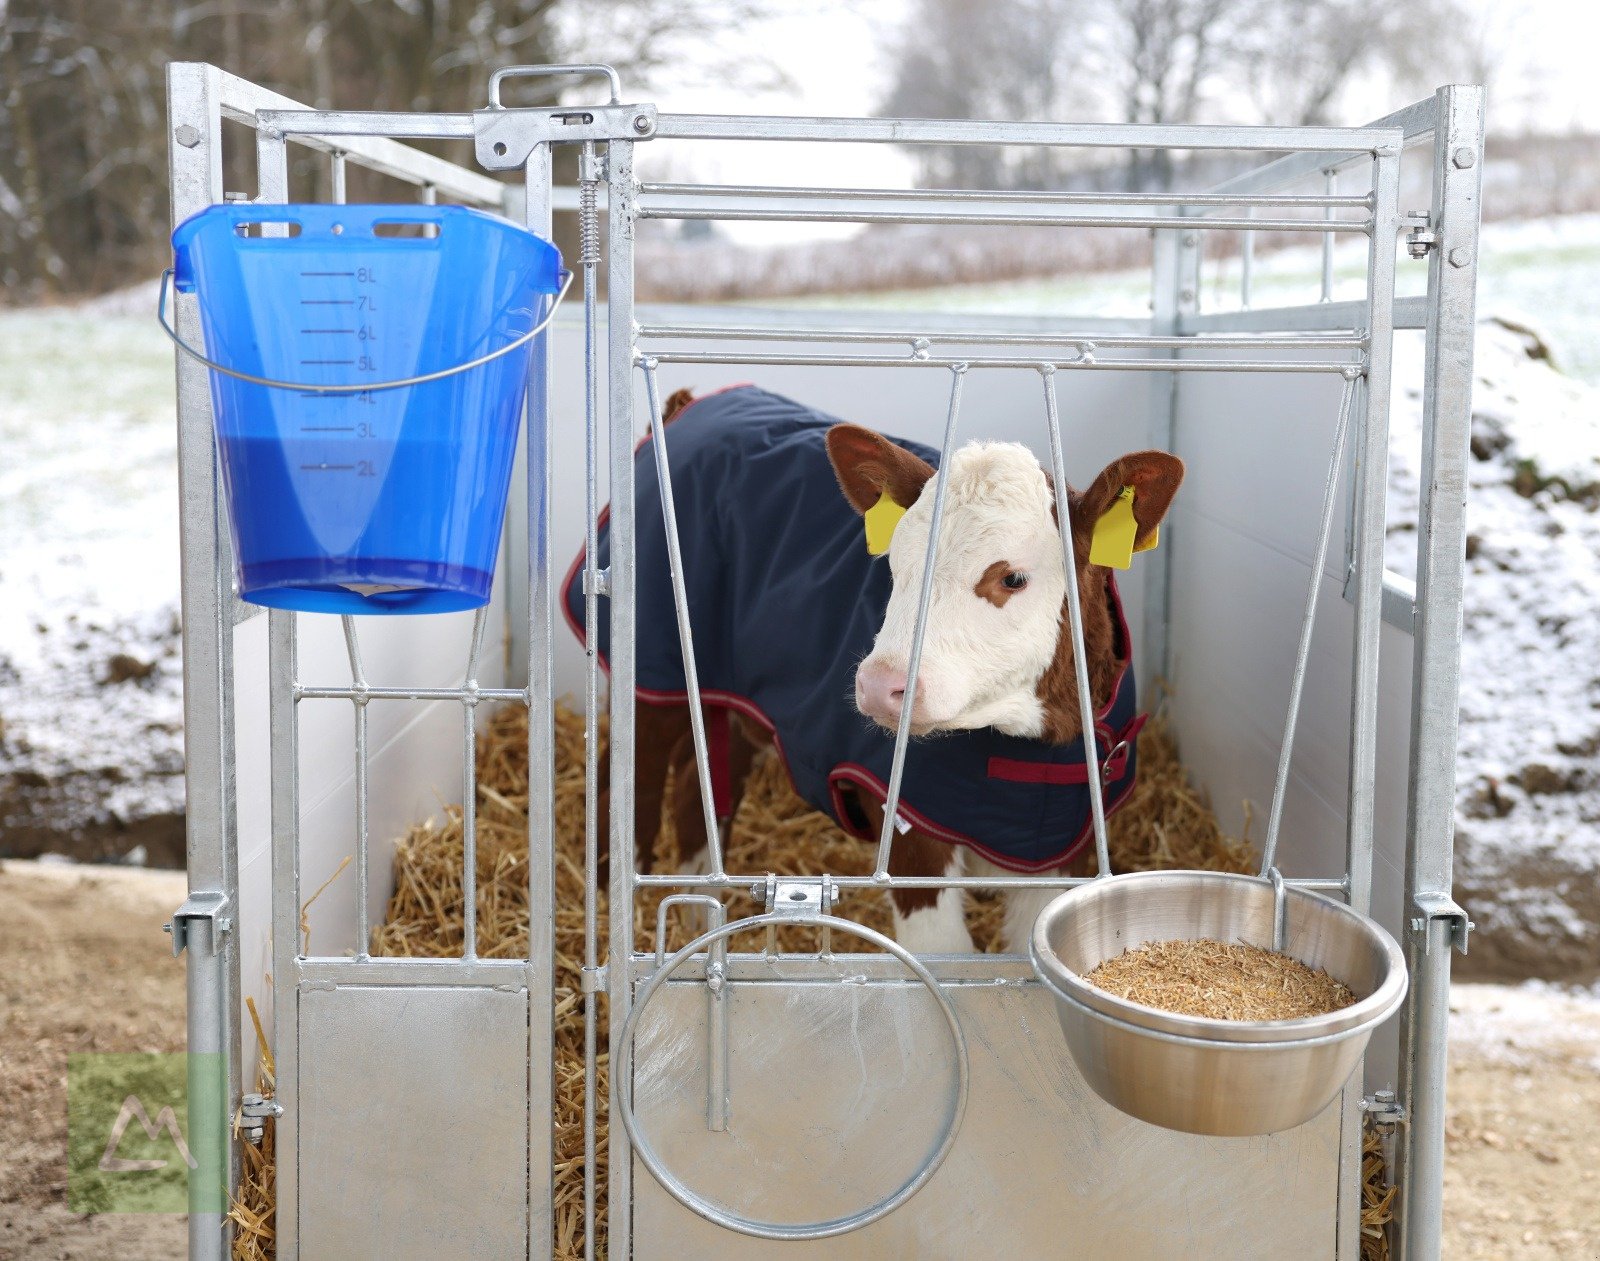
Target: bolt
186,135
641,124
1189,239
1460,256
1463,158
1186,295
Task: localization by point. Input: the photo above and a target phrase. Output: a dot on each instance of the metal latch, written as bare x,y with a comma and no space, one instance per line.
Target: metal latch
207,906
503,138
1421,238
799,897
1440,906
1383,1108
253,1113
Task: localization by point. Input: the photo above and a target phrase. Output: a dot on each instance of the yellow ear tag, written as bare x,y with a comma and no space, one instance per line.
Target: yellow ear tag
1112,543
881,520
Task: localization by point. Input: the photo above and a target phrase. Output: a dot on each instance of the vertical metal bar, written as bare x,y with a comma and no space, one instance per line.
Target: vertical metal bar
1436,659
336,177
469,791
1247,258
590,258
1371,481
1308,621
283,718
1080,654
358,681
1169,302
902,734
620,208
193,103
680,604
1331,187
539,669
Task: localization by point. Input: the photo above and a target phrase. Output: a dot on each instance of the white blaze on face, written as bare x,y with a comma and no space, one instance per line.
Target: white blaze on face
980,663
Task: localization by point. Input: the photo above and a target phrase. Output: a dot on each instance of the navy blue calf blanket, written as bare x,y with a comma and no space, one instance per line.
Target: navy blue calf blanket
784,601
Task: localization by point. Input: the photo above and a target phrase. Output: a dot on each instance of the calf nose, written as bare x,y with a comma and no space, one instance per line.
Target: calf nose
880,692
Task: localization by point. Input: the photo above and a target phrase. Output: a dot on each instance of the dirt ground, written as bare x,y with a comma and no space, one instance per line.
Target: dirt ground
84,966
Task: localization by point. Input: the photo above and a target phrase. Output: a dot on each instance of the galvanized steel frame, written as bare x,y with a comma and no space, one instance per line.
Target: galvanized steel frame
202,96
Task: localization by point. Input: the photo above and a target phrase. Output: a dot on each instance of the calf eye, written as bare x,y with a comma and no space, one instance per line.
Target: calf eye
1014,581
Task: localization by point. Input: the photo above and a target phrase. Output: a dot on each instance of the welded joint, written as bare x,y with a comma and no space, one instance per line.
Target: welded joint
1382,1108
597,581
208,906
592,980
1437,906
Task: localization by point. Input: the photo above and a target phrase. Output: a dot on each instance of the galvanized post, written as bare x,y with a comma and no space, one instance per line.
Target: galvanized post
194,147
620,337
1371,486
1435,661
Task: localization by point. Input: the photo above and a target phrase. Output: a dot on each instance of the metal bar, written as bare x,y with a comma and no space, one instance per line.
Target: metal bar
336,176
301,120
1080,654
620,357
358,678
1247,259
327,971
1409,312
517,694
1402,127
756,882
902,734
469,794
1033,364
591,675
210,838
539,674
1371,484
680,604
1308,621
717,332
1332,178
272,180
1327,227
1043,197
1436,662
970,131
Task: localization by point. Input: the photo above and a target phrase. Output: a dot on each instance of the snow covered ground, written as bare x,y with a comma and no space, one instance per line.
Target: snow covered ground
90,748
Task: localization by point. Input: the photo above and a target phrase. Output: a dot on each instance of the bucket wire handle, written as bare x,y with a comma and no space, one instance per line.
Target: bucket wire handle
364,387
622,1083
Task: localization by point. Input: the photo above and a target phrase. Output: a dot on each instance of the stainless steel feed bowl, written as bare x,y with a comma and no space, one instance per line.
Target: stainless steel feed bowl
1226,1077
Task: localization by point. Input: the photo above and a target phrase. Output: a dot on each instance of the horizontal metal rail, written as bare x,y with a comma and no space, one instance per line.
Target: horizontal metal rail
1410,312
1070,135
757,884
396,124
1033,363
412,694
795,214
1409,126
1042,198
714,332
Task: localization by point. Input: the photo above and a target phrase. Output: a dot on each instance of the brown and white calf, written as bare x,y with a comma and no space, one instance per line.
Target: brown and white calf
997,652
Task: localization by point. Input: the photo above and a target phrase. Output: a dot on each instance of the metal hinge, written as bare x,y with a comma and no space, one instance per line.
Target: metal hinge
1421,238
592,980
253,1113
206,906
1440,906
799,897
1383,1108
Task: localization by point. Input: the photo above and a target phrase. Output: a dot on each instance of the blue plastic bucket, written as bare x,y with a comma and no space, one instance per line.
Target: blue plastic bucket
376,498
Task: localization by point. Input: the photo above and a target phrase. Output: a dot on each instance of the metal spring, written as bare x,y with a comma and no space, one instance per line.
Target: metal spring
589,222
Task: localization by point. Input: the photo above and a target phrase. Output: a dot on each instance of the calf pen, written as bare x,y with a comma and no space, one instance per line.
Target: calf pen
806,1092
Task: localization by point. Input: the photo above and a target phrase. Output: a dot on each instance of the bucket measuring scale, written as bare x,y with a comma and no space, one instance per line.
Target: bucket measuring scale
368,368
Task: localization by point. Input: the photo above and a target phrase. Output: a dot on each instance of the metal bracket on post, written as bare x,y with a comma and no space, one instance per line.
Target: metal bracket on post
254,1110
1432,906
1383,1109
206,906
1421,238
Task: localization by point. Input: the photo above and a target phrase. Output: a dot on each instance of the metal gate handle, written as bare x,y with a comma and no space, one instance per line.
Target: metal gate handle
774,1230
364,387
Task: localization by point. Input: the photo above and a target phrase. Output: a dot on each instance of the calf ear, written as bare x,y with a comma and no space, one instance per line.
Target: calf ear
867,464
1155,477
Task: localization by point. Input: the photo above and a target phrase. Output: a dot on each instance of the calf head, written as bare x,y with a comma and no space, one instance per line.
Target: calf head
997,651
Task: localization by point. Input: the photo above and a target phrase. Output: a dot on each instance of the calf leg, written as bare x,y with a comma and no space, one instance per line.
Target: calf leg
1023,905
926,921
688,815
657,730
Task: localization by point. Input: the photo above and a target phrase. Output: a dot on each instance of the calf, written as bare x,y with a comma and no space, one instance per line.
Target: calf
794,620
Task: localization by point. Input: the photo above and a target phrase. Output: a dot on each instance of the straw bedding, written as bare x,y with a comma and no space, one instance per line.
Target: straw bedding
1165,824
1223,981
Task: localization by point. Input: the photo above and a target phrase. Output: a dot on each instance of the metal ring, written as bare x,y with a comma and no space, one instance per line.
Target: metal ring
542,72
367,387
623,1078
